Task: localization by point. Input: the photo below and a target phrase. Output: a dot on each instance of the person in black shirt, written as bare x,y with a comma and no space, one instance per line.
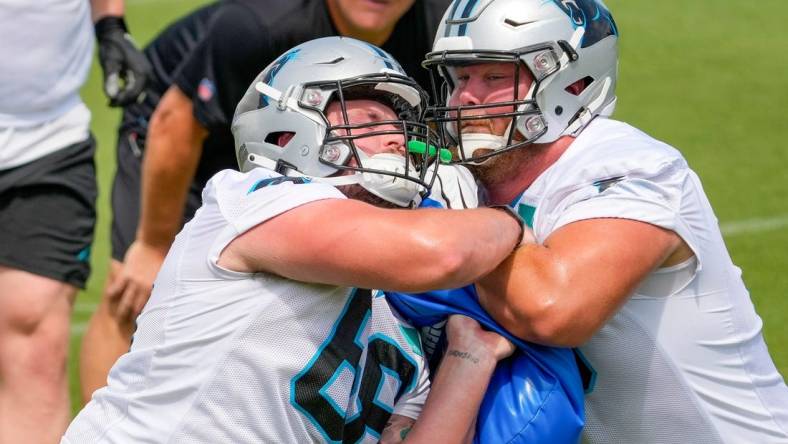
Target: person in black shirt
202,65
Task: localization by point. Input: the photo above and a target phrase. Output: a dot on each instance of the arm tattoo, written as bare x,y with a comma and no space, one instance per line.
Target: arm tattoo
463,355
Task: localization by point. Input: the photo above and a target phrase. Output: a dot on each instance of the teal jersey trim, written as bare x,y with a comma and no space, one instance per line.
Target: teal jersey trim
527,213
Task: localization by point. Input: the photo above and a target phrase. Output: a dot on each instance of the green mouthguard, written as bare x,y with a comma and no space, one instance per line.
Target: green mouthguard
419,147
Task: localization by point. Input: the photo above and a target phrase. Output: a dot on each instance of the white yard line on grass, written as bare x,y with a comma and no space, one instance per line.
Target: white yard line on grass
746,226
758,225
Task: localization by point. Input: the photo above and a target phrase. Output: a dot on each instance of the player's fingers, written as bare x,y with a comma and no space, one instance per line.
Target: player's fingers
116,288
134,84
505,348
139,305
112,306
126,303
112,84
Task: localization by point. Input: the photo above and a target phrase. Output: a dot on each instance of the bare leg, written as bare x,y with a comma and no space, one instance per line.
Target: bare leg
35,312
105,340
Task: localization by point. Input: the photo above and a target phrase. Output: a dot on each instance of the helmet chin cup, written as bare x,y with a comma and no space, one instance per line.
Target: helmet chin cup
472,142
397,190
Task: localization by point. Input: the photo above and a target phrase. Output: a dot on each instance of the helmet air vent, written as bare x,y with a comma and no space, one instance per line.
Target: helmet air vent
515,24
332,62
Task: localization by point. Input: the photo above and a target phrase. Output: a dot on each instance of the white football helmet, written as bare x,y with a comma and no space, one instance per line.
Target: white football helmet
559,42
291,96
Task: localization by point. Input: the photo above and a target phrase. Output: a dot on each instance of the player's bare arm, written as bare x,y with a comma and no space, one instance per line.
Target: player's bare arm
397,429
561,292
377,248
459,386
173,150
101,8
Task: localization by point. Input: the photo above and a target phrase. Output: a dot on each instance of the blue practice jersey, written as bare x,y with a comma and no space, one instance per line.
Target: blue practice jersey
534,396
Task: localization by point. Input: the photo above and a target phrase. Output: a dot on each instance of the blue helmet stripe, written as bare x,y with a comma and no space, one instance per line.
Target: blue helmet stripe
451,16
278,64
382,54
465,14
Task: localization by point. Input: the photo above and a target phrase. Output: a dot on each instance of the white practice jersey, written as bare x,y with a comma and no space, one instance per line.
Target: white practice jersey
684,360
227,357
46,48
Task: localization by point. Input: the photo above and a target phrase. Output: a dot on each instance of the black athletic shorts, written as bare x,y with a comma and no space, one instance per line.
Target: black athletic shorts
126,191
48,212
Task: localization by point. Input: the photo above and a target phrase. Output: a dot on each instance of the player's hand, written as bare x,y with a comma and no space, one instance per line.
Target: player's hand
126,70
455,188
131,289
465,333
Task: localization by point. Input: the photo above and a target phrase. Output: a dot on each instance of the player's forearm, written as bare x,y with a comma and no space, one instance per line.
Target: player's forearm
370,247
471,242
524,294
540,297
173,150
562,292
102,8
456,394
412,251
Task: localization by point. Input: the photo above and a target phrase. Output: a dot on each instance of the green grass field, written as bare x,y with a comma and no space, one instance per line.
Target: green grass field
705,76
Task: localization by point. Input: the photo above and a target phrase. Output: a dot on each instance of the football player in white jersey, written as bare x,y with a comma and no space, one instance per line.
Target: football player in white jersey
629,264
259,328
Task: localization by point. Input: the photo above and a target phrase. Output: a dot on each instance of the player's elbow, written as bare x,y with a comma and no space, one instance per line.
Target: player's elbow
451,269
163,123
550,321
162,119
173,121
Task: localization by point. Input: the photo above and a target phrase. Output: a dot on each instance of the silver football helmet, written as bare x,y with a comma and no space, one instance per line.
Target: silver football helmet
291,96
559,42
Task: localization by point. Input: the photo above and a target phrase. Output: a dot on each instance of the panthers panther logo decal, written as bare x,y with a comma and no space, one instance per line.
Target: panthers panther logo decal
592,15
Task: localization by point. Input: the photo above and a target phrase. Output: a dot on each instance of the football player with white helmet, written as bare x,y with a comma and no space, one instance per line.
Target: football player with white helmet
259,328
176,138
629,263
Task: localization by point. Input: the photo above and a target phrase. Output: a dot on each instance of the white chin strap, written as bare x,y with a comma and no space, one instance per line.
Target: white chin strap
399,191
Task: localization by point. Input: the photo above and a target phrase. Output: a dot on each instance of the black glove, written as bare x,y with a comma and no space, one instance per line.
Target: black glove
126,70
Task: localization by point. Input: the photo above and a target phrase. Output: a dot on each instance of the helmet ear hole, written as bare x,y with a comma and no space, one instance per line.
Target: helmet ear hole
279,138
578,87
